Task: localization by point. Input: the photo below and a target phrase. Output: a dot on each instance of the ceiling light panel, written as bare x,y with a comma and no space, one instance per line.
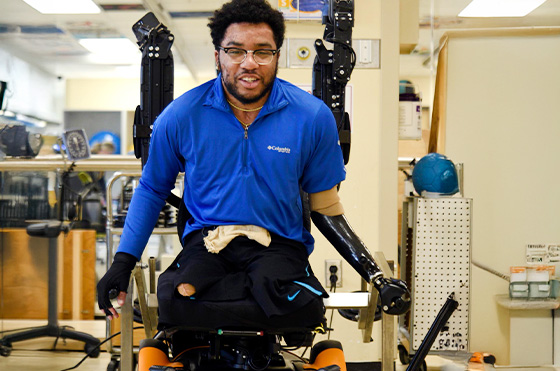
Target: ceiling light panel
500,8
120,45
112,50
64,6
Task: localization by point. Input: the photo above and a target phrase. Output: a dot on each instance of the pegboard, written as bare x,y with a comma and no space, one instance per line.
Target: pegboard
441,255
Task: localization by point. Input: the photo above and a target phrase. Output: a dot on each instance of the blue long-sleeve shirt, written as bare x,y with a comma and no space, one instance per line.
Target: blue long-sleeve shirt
233,176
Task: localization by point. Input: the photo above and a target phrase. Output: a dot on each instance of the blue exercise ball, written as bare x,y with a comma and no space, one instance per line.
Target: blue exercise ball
436,174
105,142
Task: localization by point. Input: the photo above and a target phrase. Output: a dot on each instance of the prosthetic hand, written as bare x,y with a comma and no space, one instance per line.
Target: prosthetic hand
115,280
394,294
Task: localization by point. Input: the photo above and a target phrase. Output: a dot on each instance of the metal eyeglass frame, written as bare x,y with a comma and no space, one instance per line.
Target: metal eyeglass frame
273,51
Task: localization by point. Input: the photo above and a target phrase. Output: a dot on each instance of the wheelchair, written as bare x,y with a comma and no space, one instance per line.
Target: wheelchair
199,335
208,335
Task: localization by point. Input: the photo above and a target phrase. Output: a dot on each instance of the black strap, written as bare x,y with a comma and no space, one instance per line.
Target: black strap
174,201
183,215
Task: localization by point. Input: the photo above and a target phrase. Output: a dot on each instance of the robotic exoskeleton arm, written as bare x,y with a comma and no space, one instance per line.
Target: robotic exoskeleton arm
155,41
394,294
332,68
156,91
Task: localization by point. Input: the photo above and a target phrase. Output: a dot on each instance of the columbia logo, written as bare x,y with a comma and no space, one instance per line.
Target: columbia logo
279,149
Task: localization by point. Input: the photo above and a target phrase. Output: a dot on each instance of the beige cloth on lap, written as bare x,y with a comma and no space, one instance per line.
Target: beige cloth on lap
219,238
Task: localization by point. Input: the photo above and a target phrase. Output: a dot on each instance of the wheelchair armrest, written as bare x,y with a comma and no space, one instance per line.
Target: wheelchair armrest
347,300
366,302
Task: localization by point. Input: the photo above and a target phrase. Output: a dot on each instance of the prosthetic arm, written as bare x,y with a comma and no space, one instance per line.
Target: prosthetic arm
394,294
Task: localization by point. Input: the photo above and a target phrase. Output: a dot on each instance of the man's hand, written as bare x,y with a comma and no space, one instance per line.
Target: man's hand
115,280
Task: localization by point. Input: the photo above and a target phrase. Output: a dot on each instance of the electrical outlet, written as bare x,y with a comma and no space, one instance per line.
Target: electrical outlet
336,265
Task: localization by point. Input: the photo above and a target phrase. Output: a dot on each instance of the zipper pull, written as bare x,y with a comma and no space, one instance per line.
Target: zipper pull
246,132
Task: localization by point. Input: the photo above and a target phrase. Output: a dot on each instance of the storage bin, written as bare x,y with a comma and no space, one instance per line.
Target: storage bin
539,290
519,290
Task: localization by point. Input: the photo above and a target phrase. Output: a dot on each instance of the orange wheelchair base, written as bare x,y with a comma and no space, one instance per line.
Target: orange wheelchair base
154,355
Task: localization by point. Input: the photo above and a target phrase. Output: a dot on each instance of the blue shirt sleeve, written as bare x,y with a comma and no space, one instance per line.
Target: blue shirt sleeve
325,166
158,179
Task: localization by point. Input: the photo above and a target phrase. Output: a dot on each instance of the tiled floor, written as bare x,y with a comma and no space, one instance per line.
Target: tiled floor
30,360
35,355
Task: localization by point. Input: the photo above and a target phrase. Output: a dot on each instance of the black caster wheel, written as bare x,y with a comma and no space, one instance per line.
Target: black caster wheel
94,349
113,365
5,350
404,357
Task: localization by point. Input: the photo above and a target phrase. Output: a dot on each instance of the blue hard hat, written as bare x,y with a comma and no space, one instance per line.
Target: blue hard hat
435,173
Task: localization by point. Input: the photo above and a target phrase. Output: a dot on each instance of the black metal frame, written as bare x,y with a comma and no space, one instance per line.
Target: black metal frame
156,84
155,41
332,68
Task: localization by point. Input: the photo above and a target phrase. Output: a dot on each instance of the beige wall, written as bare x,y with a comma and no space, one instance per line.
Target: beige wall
369,194
111,94
503,125
114,95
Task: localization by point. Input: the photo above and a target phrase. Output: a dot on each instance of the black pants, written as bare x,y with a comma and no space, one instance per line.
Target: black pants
278,277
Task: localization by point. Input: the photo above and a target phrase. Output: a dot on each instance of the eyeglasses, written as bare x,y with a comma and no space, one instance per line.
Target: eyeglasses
238,55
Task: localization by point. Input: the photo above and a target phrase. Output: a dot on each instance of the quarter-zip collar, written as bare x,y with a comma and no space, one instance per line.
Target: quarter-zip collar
217,99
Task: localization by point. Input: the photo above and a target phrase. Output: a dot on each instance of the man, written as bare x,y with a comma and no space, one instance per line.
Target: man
246,141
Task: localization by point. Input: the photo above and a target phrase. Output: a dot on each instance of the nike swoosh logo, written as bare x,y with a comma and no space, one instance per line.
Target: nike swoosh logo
292,297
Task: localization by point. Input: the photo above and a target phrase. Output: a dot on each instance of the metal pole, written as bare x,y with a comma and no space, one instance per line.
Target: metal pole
53,282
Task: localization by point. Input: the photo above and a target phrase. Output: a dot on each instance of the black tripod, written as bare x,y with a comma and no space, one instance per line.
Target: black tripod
50,230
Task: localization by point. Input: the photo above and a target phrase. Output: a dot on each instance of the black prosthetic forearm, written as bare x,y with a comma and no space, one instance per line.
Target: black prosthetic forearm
341,235
394,294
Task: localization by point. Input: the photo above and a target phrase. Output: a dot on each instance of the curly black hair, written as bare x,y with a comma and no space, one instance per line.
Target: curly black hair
251,11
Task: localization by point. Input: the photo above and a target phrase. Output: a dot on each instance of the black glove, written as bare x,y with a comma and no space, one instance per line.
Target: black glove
116,278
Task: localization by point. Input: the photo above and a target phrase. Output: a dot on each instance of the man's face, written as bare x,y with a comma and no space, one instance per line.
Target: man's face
247,82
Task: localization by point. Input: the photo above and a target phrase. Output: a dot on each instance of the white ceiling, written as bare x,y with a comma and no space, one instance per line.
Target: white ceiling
61,54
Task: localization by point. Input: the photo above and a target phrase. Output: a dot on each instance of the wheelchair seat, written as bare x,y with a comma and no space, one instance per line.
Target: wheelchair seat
246,313
204,335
